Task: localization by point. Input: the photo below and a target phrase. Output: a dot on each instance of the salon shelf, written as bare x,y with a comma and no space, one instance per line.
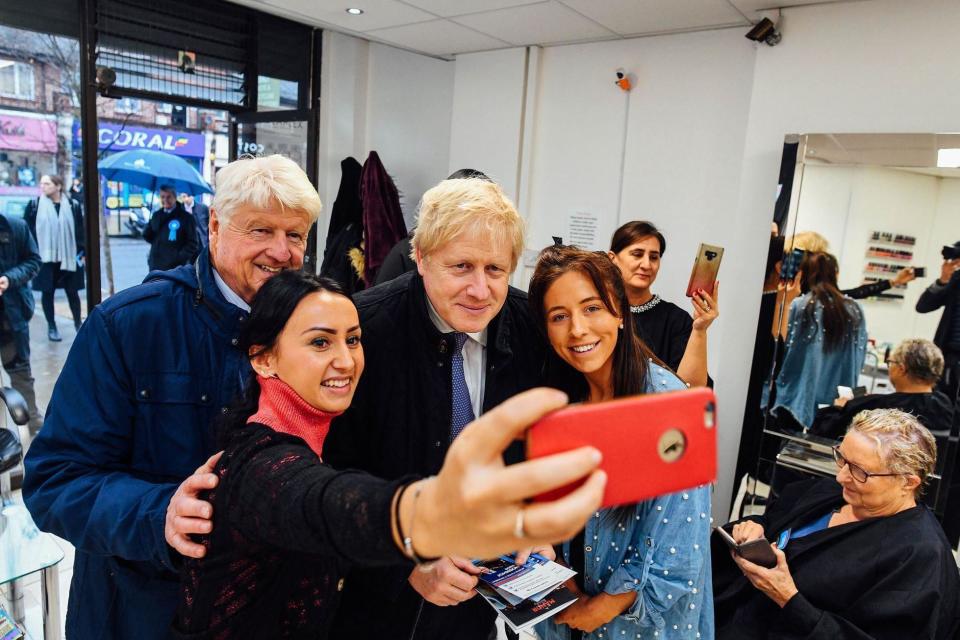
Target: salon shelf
912,241
907,259
892,243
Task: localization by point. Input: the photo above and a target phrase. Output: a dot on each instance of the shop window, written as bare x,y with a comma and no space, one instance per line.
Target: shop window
275,94
16,80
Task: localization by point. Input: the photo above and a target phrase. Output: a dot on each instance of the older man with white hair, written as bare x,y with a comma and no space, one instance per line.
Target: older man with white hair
130,420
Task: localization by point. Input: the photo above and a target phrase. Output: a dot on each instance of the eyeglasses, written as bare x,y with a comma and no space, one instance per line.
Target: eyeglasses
858,473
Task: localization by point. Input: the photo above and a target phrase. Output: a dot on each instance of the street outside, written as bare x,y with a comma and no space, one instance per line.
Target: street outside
129,264
47,358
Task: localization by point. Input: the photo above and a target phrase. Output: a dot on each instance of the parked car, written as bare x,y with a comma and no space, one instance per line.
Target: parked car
14,204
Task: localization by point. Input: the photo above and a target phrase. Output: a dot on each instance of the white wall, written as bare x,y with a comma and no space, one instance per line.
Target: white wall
677,140
846,204
706,128
488,114
378,98
678,160
408,119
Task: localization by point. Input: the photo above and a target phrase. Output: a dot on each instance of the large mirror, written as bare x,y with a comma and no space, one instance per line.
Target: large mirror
861,307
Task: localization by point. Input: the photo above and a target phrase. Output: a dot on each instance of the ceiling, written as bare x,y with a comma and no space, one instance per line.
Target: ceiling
914,152
445,28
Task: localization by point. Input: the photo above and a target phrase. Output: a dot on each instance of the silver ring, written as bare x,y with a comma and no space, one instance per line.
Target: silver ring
518,531
707,307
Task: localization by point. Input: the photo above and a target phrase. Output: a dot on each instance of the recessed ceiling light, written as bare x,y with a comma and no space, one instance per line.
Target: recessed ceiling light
354,11
948,158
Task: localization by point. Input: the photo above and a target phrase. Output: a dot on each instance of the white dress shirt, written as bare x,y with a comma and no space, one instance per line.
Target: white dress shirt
229,294
474,359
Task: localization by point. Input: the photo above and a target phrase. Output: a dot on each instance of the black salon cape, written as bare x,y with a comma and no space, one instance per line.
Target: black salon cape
932,410
890,578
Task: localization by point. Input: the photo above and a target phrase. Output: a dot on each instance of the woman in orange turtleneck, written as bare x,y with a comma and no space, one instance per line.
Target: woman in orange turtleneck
285,525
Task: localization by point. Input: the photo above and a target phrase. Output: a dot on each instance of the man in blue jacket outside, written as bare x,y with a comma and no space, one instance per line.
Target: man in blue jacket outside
19,263
130,417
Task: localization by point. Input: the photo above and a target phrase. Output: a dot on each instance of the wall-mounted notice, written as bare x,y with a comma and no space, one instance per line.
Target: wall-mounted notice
582,230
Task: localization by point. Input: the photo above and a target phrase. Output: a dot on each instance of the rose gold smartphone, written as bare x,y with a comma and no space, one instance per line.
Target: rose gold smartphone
706,266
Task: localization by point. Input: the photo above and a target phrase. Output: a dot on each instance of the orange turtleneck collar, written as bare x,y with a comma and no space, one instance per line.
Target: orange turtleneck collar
283,410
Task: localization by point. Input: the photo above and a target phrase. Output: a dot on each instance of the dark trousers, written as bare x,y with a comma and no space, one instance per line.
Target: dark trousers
15,354
73,297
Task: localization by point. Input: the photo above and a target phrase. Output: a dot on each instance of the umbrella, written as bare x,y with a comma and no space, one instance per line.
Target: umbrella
153,169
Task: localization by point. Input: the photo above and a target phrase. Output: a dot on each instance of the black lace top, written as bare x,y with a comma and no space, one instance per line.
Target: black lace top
665,328
285,528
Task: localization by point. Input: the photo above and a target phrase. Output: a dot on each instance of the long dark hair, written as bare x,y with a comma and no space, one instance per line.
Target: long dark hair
635,231
630,356
271,308
840,315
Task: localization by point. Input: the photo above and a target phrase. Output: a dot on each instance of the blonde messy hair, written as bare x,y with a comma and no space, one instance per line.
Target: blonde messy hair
470,207
809,241
264,183
905,445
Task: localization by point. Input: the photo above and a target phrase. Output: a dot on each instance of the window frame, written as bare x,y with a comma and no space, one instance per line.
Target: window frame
21,71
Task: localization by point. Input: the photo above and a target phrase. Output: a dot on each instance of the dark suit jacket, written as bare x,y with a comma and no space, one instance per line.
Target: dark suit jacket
947,297
891,578
397,262
399,423
171,247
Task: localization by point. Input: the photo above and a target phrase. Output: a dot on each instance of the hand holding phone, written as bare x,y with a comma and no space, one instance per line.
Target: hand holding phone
651,444
758,551
790,264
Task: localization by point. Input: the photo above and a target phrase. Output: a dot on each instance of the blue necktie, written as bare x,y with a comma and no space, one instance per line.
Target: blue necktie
462,413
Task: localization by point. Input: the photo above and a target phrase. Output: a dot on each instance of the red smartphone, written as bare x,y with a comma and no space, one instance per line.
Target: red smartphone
651,444
706,266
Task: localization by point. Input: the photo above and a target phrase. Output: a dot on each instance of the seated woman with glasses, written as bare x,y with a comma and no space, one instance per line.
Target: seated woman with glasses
857,557
915,367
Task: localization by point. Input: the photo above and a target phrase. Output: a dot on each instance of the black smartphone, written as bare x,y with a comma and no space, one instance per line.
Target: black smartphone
859,392
920,272
791,264
758,551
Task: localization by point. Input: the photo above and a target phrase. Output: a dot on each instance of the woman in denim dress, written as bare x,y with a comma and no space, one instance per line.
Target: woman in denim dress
646,566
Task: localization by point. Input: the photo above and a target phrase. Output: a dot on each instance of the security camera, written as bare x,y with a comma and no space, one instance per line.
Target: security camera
106,78
765,31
